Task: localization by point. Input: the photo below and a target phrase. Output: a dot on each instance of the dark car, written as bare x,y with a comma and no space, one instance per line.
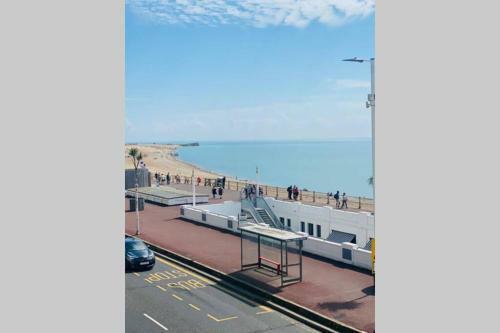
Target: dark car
138,255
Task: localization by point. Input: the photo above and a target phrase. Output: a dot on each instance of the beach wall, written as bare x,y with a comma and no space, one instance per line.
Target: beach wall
344,252
360,224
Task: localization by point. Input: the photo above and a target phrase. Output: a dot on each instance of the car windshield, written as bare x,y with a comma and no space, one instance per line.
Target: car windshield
135,246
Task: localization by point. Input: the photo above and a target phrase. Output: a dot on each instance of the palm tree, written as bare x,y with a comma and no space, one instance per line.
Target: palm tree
136,156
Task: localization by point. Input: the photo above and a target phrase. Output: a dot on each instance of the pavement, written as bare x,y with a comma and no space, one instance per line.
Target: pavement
334,289
175,299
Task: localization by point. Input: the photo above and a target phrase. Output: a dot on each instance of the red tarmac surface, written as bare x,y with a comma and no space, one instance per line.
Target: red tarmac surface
335,290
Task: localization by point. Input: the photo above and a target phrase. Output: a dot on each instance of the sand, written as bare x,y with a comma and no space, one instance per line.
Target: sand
160,158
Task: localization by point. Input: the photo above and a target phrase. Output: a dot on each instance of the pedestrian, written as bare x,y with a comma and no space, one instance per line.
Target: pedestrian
214,192
289,190
224,182
168,178
295,192
198,180
344,201
220,192
337,199
260,191
246,192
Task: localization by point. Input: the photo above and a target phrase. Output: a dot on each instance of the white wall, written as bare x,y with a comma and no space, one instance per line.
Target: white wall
359,257
212,219
361,224
228,208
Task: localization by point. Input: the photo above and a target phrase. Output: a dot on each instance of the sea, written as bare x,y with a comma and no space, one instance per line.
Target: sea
323,166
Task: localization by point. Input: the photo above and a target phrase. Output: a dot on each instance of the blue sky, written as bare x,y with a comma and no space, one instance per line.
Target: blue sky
226,70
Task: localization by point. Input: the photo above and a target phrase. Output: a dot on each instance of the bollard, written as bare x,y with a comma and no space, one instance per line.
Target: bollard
359,202
314,196
300,195
266,189
237,183
276,193
327,199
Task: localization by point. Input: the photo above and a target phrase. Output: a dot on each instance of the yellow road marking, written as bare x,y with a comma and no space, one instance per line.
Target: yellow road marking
137,274
185,271
179,298
265,308
194,307
160,287
219,320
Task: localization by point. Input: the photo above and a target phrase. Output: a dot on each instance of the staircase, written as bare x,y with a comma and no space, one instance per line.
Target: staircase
265,216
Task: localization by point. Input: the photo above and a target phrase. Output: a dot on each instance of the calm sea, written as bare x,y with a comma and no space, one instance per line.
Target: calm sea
319,166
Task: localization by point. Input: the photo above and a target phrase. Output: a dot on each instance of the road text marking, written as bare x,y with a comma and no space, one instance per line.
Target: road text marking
137,274
194,307
219,320
265,308
154,321
185,271
175,296
160,287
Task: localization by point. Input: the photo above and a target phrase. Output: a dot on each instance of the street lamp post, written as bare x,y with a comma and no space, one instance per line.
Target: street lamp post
194,191
370,104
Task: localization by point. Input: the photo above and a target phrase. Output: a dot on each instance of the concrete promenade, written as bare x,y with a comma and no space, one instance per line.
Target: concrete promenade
235,196
333,289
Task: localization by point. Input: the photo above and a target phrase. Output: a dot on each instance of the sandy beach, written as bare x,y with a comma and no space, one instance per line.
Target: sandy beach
160,158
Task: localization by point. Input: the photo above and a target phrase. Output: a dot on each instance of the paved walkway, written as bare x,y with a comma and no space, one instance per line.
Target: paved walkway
334,289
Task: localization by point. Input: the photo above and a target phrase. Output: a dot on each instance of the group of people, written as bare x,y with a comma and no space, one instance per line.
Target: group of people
166,179
161,178
336,196
250,191
217,190
293,191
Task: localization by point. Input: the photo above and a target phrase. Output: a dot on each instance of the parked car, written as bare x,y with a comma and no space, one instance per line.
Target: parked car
138,255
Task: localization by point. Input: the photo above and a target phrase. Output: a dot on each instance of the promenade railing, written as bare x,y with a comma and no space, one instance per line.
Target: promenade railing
280,193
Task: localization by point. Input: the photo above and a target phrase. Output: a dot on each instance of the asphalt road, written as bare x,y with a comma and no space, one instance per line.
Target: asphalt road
171,298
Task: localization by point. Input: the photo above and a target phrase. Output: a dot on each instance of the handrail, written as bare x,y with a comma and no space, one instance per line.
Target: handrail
246,204
261,203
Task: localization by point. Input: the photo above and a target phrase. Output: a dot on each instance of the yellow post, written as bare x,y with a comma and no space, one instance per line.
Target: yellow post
373,256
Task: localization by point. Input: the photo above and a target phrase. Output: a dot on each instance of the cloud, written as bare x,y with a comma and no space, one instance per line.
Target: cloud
257,13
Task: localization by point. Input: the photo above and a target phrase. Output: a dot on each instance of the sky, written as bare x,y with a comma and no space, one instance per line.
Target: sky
227,70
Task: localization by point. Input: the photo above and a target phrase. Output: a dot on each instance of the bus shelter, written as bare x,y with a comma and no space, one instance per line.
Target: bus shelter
277,250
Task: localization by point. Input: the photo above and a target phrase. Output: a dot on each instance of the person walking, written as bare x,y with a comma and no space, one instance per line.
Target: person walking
224,182
168,178
289,190
344,201
337,199
214,192
295,192
198,180
221,191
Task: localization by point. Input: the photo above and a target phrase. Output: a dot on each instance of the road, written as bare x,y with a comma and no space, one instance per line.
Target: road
174,299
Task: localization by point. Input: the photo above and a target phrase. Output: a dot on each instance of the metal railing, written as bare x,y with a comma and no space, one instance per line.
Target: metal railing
261,203
311,197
